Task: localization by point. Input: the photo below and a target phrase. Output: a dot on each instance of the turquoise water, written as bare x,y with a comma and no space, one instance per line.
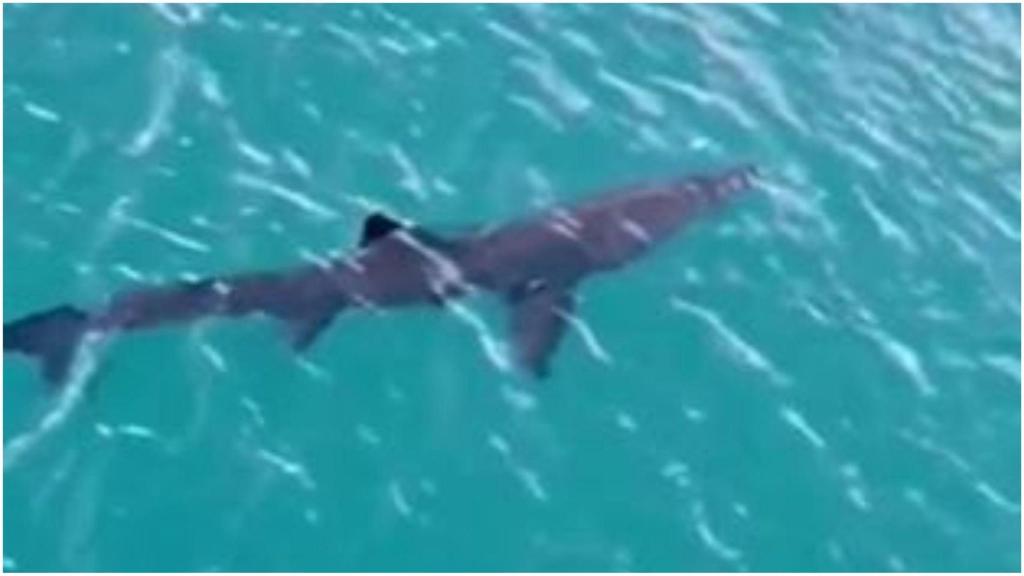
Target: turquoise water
825,376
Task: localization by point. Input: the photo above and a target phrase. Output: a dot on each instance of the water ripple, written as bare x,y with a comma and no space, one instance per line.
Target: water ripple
799,423
712,540
289,195
287,467
41,112
555,84
170,78
905,358
82,369
176,239
957,462
744,351
642,99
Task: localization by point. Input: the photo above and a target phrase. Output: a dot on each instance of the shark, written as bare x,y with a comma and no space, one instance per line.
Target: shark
535,264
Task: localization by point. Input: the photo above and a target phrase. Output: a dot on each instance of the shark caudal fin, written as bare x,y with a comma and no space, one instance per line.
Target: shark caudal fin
52,337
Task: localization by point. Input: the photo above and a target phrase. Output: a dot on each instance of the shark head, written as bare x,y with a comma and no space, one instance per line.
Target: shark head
620,227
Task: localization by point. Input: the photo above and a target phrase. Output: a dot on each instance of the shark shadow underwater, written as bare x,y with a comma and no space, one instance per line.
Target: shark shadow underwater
534,264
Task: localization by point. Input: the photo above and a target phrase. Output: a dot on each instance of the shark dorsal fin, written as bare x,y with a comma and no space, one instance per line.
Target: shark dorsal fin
377,226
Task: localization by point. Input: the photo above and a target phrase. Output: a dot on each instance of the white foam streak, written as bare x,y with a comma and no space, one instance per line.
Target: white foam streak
740,347
642,99
172,237
215,358
399,500
297,163
531,481
589,338
171,70
494,348
799,423
905,358
710,539
293,197
553,82
82,368
887,227
41,113
411,179
289,468
982,487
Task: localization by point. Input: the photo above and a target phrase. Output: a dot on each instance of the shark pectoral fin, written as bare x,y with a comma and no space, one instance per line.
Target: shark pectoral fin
303,330
539,318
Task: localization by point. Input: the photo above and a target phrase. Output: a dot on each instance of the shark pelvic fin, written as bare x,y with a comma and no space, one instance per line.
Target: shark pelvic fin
377,226
303,330
540,314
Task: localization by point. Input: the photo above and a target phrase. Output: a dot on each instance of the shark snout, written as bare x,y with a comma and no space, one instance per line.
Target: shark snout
736,180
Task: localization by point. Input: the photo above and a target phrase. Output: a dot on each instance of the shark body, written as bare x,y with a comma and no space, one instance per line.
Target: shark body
534,264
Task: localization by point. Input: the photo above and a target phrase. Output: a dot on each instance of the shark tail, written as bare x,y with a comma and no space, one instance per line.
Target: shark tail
52,337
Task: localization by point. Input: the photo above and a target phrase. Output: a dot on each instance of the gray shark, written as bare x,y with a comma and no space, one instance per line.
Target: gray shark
534,264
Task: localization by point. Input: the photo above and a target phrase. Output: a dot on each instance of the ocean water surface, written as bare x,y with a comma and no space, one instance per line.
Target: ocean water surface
824,376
